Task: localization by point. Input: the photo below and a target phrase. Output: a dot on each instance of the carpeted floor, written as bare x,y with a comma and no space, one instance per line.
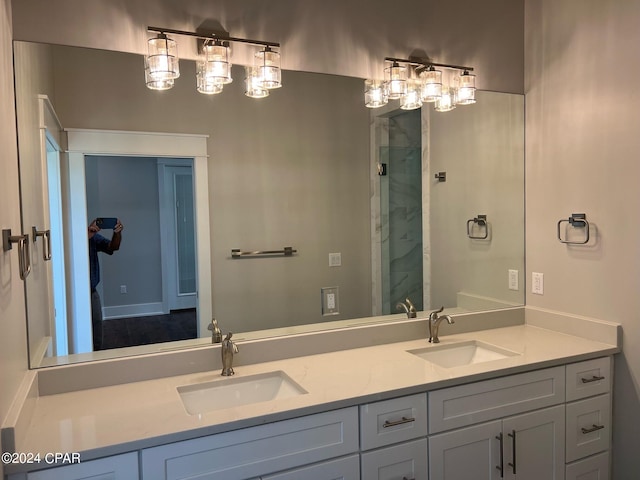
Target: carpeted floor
129,332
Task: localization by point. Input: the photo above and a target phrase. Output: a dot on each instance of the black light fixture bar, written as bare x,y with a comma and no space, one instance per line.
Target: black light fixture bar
427,63
213,36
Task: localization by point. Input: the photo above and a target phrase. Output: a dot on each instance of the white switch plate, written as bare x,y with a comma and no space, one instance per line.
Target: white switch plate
513,279
335,259
123,289
537,283
330,301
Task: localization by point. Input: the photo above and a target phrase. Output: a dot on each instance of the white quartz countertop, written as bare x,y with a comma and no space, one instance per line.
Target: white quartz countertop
115,419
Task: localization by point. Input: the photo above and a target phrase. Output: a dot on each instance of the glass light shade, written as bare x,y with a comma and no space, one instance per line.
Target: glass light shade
207,84
431,84
253,83
466,89
268,63
396,78
412,99
375,93
447,101
162,59
216,62
154,83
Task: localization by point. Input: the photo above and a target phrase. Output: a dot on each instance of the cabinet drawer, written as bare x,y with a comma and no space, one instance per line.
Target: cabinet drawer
118,467
592,468
491,399
586,379
345,468
393,421
588,426
407,460
256,451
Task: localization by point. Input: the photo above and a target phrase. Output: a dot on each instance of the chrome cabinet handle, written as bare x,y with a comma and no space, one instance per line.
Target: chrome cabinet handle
592,379
501,466
24,257
388,424
46,238
594,428
513,450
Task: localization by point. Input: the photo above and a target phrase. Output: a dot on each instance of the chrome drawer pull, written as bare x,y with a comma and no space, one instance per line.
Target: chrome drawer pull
388,424
592,379
595,428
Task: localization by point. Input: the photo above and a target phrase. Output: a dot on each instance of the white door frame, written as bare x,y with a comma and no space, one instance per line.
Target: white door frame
83,142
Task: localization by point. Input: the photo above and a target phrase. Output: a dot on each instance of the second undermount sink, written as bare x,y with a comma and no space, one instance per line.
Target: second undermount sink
236,391
462,353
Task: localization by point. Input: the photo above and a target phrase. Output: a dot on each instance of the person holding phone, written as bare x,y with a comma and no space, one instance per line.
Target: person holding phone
98,243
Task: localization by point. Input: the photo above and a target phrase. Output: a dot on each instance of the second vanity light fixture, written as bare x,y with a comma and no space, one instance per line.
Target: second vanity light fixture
416,81
213,67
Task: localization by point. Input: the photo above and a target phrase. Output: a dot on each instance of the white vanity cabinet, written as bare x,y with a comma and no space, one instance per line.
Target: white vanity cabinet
257,452
509,427
117,467
589,419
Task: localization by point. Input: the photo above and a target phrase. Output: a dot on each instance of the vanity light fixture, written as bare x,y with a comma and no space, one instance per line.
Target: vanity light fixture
417,81
375,93
253,83
396,78
161,62
213,67
268,71
466,88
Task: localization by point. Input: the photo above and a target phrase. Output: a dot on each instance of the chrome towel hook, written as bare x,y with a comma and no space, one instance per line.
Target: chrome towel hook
24,259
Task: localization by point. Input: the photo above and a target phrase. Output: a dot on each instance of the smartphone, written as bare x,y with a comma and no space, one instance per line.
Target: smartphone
106,222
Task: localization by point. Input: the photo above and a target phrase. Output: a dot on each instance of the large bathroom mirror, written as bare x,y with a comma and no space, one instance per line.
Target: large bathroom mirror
377,205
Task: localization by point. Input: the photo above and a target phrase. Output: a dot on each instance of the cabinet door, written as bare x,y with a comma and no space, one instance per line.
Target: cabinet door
471,453
402,461
346,468
534,445
118,467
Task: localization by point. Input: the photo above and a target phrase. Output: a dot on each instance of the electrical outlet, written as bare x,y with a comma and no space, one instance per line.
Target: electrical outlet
330,301
537,283
123,289
513,280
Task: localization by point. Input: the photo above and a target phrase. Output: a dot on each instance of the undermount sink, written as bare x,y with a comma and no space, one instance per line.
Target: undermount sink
236,391
462,353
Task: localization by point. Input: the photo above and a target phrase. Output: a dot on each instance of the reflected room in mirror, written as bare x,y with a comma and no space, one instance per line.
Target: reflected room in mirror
356,193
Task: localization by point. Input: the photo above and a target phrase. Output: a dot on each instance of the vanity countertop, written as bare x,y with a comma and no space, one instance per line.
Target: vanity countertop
115,419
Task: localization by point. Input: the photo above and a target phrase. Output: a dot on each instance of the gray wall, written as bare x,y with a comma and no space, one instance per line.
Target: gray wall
582,148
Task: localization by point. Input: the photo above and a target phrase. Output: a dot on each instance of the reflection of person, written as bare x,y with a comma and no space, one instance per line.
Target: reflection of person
98,243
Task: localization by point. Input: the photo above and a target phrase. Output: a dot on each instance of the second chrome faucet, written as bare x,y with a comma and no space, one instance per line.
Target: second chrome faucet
434,324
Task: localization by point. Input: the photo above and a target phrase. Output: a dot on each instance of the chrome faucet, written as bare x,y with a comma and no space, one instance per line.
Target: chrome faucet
408,308
229,348
434,324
